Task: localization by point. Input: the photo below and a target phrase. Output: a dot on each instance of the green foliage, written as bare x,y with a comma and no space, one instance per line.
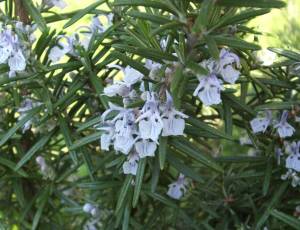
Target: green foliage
227,189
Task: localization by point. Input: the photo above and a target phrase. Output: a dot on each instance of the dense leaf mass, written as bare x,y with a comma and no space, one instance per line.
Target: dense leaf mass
156,114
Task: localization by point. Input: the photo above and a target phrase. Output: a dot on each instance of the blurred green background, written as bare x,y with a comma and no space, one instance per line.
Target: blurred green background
281,27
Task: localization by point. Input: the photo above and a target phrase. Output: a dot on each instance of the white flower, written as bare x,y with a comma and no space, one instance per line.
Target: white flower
295,180
97,25
293,160
291,174
226,62
125,123
178,188
163,44
265,57
230,74
120,130
154,68
116,89
123,88
108,135
260,124
11,53
284,129
297,119
173,120
145,148
56,53
65,46
209,89
17,61
150,122
91,209
87,207
124,143
131,165
131,76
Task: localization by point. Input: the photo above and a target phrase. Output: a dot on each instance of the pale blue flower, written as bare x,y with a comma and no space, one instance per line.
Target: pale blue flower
178,188
173,120
150,122
11,52
7,43
154,68
131,165
284,129
123,87
91,209
98,26
17,61
120,130
116,89
209,90
226,66
293,160
107,137
260,124
290,174
145,148
65,46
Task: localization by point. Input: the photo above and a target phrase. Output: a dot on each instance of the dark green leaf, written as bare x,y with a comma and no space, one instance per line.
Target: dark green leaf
19,124
36,147
286,53
235,42
123,192
139,181
191,150
252,3
289,220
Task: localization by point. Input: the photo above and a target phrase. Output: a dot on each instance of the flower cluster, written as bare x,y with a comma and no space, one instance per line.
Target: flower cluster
70,44
210,86
135,132
292,162
15,45
284,129
261,123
